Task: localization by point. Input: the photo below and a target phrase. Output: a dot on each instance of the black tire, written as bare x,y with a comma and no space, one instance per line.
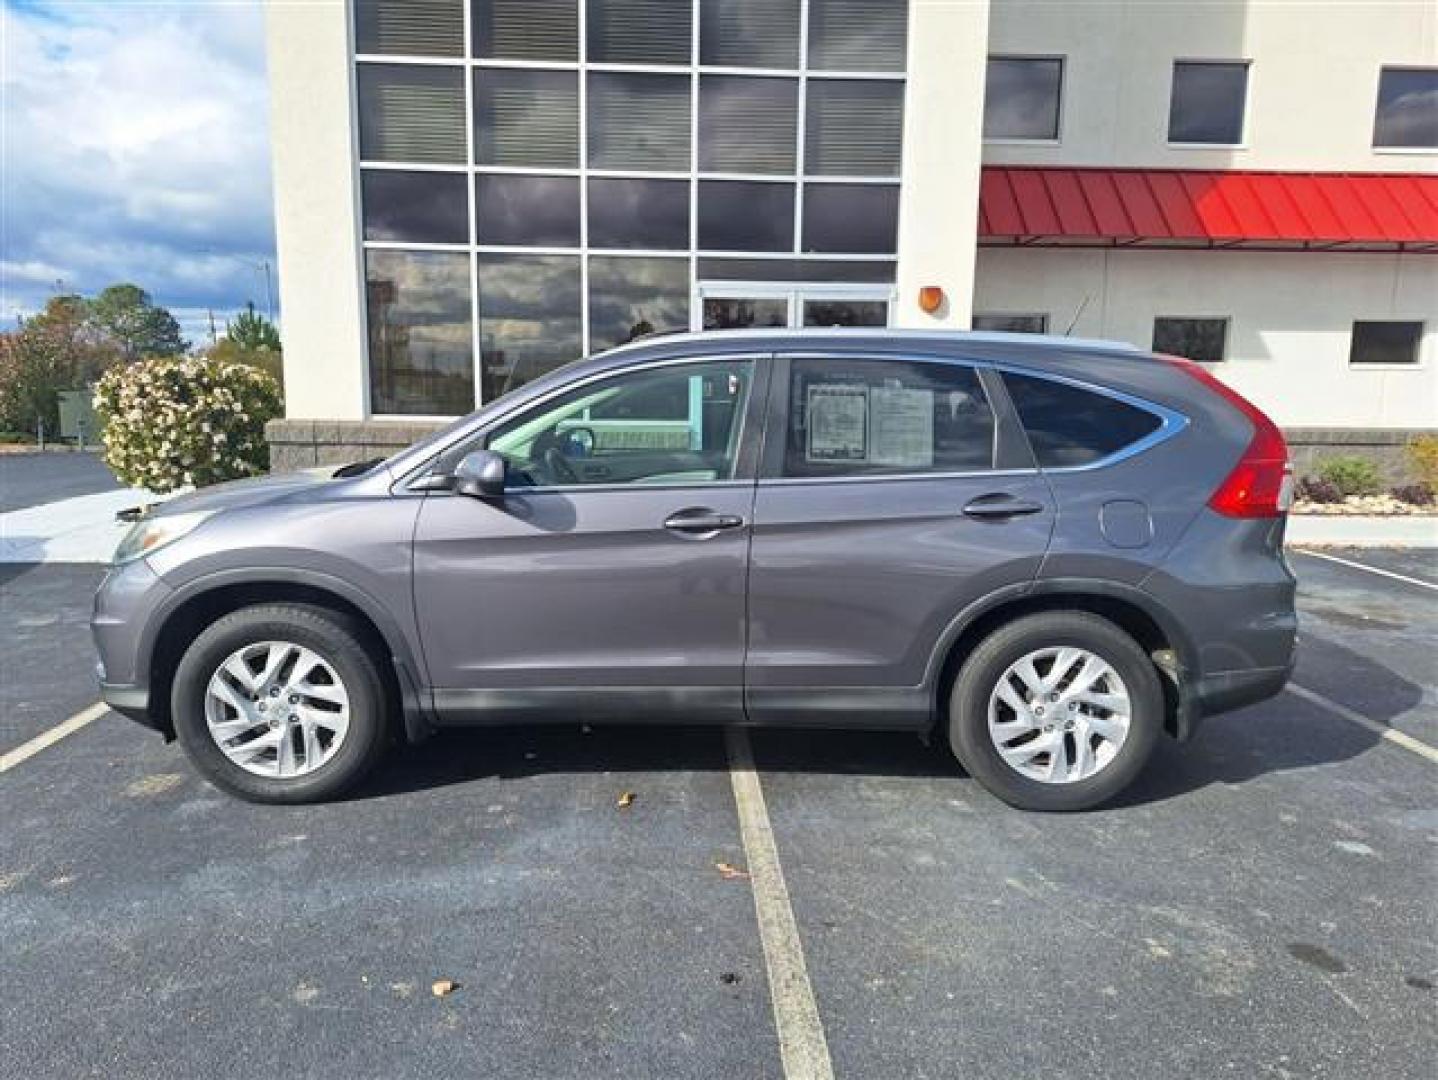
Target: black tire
981,671
338,641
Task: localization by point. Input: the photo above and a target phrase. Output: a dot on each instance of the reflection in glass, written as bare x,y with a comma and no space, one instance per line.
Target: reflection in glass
866,270
525,29
749,33
1407,109
524,117
630,297
638,121
1385,342
1021,98
721,313
861,219
420,207
858,35
853,127
626,213
1012,324
420,340
639,31
528,318
1207,103
737,215
535,211
747,124
411,113
1201,340
846,313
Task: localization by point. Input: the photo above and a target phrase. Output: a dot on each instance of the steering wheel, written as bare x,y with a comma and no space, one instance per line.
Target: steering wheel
559,467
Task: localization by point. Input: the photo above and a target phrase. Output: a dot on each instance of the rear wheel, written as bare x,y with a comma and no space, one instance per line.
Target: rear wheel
281,703
1056,711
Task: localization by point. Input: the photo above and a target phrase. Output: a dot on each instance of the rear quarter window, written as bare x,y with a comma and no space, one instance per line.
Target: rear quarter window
1068,425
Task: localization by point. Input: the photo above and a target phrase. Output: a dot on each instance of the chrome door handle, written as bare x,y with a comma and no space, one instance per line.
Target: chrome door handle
695,521
999,506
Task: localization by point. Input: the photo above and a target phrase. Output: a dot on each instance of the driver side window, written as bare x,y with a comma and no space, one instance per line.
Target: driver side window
673,424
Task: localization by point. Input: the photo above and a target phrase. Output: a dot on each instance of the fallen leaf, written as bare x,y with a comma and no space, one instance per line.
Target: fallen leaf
443,987
729,872
729,978
625,800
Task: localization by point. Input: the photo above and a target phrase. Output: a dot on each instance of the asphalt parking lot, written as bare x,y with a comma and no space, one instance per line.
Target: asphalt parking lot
1261,904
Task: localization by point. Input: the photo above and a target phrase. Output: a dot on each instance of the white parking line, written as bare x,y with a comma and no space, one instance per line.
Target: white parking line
802,1047
1383,731
26,750
1364,566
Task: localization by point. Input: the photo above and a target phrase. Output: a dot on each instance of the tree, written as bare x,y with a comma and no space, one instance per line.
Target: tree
251,331
127,316
34,367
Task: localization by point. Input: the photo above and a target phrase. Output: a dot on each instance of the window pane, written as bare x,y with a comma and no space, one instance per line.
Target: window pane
640,31
813,270
853,128
749,33
678,424
631,297
411,27
1012,324
421,350
736,215
1195,339
1407,108
420,207
1068,425
747,124
411,113
1021,98
858,218
526,118
639,121
725,313
537,211
858,35
627,213
857,417
526,29
846,313
1385,342
1207,103
528,318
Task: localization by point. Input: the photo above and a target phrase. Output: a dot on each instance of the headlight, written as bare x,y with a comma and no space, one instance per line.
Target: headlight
151,534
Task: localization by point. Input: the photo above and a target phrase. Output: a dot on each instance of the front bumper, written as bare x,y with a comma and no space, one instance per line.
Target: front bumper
124,605
132,702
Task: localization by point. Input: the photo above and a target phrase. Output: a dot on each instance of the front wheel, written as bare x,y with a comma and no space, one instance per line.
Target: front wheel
1056,711
281,703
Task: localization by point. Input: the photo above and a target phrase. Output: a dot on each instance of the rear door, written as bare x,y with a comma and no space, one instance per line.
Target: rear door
892,495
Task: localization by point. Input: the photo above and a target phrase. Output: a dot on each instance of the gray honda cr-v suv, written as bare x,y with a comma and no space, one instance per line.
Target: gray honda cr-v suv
1053,551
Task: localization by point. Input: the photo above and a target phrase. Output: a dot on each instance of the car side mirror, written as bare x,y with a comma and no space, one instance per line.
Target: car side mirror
480,475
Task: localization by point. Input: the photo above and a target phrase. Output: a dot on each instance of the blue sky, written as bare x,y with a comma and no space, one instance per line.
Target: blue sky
135,148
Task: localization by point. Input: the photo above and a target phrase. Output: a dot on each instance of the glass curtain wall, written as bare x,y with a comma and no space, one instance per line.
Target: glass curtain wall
540,179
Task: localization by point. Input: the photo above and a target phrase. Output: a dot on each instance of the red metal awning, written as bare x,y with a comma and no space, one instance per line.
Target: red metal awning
1272,211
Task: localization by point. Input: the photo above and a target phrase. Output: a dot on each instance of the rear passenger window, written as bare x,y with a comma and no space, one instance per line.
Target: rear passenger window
1068,425
866,417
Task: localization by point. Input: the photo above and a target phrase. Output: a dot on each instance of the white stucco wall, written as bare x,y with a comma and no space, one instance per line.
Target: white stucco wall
943,124
316,220
1312,88
1290,317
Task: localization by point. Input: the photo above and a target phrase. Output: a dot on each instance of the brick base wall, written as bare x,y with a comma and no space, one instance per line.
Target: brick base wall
1387,447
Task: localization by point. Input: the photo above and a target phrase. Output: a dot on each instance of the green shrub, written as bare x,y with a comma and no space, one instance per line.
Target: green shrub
172,422
1351,475
1423,456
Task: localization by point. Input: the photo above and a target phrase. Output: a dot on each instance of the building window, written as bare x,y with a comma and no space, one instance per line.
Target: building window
1022,98
1207,102
529,318
853,128
417,207
411,113
526,211
749,33
1388,342
526,118
1407,114
858,35
1202,340
639,31
410,27
629,212
746,216
851,217
525,29
1012,324
630,297
638,121
748,125
421,342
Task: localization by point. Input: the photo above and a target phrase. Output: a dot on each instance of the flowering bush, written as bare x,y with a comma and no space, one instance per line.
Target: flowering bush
172,422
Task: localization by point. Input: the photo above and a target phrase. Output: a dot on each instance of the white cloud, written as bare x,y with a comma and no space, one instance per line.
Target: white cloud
135,148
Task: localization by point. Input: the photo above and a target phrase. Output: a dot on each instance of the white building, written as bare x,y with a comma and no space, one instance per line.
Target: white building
470,192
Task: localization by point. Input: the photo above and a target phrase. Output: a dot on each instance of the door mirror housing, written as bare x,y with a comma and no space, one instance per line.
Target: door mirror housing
480,475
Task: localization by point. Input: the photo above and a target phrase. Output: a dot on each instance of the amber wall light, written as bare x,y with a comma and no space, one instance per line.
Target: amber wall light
931,298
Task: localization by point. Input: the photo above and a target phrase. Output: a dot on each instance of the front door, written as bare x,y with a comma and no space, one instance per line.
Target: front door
615,565
887,504
747,306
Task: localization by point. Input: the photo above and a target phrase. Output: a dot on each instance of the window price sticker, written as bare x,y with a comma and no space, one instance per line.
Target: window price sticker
838,423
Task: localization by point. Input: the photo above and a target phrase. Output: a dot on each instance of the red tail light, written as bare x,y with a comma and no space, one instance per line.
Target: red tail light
1261,484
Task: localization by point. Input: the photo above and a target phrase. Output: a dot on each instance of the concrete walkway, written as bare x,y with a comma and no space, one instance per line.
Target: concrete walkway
1317,530
78,530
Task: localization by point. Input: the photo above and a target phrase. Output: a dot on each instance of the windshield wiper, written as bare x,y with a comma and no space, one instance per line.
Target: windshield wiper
355,468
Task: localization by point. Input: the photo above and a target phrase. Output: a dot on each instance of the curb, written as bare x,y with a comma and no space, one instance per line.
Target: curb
1332,530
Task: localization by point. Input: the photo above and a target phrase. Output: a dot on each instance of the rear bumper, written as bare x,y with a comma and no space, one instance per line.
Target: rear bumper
1225,691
